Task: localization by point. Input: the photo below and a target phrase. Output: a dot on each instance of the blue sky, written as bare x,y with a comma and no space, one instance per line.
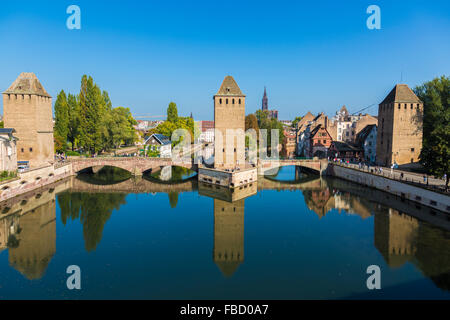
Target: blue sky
313,56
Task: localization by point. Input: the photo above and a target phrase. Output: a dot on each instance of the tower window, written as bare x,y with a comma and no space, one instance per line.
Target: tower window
411,106
233,101
220,101
226,101
21,149
399,106
412,149
239,101
31,149
405,106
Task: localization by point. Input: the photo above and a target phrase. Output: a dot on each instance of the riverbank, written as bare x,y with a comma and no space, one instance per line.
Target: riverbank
402,189
34,179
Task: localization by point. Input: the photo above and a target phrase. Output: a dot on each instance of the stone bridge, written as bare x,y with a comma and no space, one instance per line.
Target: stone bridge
142,185
135,165
317,165
138,165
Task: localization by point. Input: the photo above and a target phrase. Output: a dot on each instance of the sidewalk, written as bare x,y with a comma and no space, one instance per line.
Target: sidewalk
417,179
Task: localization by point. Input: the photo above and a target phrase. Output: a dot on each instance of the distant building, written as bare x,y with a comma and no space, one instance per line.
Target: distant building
399,137
27,108
366,139
265,101
288,145
206,131
161,143
319,140
345,126
273,114
302,139
346,151
286,123
265,106
8,150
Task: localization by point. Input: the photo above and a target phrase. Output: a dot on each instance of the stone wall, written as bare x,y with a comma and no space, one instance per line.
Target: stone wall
33,179
226,178
404,191
31,116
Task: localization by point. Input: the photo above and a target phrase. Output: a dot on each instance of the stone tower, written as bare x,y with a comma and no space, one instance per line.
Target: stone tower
27,108
228,235
265,101
399,137
229,115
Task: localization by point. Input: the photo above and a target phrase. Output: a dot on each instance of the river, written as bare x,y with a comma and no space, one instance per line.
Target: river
165,236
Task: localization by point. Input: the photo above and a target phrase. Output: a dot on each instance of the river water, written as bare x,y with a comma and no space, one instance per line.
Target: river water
167,237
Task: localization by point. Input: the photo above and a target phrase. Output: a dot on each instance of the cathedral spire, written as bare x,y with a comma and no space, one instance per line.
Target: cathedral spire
265,100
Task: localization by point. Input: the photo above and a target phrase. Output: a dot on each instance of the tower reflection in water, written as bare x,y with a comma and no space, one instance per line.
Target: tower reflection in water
229,208
28,231
403,232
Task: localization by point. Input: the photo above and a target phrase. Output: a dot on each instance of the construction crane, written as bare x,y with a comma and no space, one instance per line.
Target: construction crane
147,116
359,111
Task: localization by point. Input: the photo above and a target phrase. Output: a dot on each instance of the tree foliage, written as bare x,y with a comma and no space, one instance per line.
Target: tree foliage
88,120
435,154
175,122
295,121
61,119
267,123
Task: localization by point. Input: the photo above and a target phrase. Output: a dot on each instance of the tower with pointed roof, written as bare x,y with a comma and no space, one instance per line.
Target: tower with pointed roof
399,137
228,235
27,108
229,125
265,101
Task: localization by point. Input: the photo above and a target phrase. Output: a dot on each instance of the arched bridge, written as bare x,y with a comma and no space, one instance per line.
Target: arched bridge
317,165
136,165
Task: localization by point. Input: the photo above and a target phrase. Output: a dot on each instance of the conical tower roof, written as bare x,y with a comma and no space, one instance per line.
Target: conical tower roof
401,93
229,87
27,83
228,268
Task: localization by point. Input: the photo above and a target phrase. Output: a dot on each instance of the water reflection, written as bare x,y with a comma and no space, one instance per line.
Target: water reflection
93,211
28,231
403,232
229,207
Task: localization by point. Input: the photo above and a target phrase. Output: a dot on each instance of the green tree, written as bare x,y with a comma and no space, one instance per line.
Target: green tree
251,122
61,118
267,123
172,112
295,121
74,120
2,124
435,153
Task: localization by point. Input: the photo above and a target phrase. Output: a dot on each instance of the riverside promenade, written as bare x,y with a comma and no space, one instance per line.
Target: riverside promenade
408,186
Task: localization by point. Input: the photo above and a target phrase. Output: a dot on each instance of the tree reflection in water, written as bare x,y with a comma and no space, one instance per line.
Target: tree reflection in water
93,210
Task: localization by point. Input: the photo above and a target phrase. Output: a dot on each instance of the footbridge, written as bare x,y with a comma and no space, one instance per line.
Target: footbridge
135,165
317,165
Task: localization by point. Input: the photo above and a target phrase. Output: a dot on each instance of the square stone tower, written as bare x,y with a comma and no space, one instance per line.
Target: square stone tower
27,108
229,115
228,235
399,137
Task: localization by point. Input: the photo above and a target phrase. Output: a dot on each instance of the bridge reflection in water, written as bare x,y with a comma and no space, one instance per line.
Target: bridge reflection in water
403,232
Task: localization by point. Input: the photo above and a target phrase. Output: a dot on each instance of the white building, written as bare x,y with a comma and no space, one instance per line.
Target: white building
367,140
206,131
161,143
8,150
